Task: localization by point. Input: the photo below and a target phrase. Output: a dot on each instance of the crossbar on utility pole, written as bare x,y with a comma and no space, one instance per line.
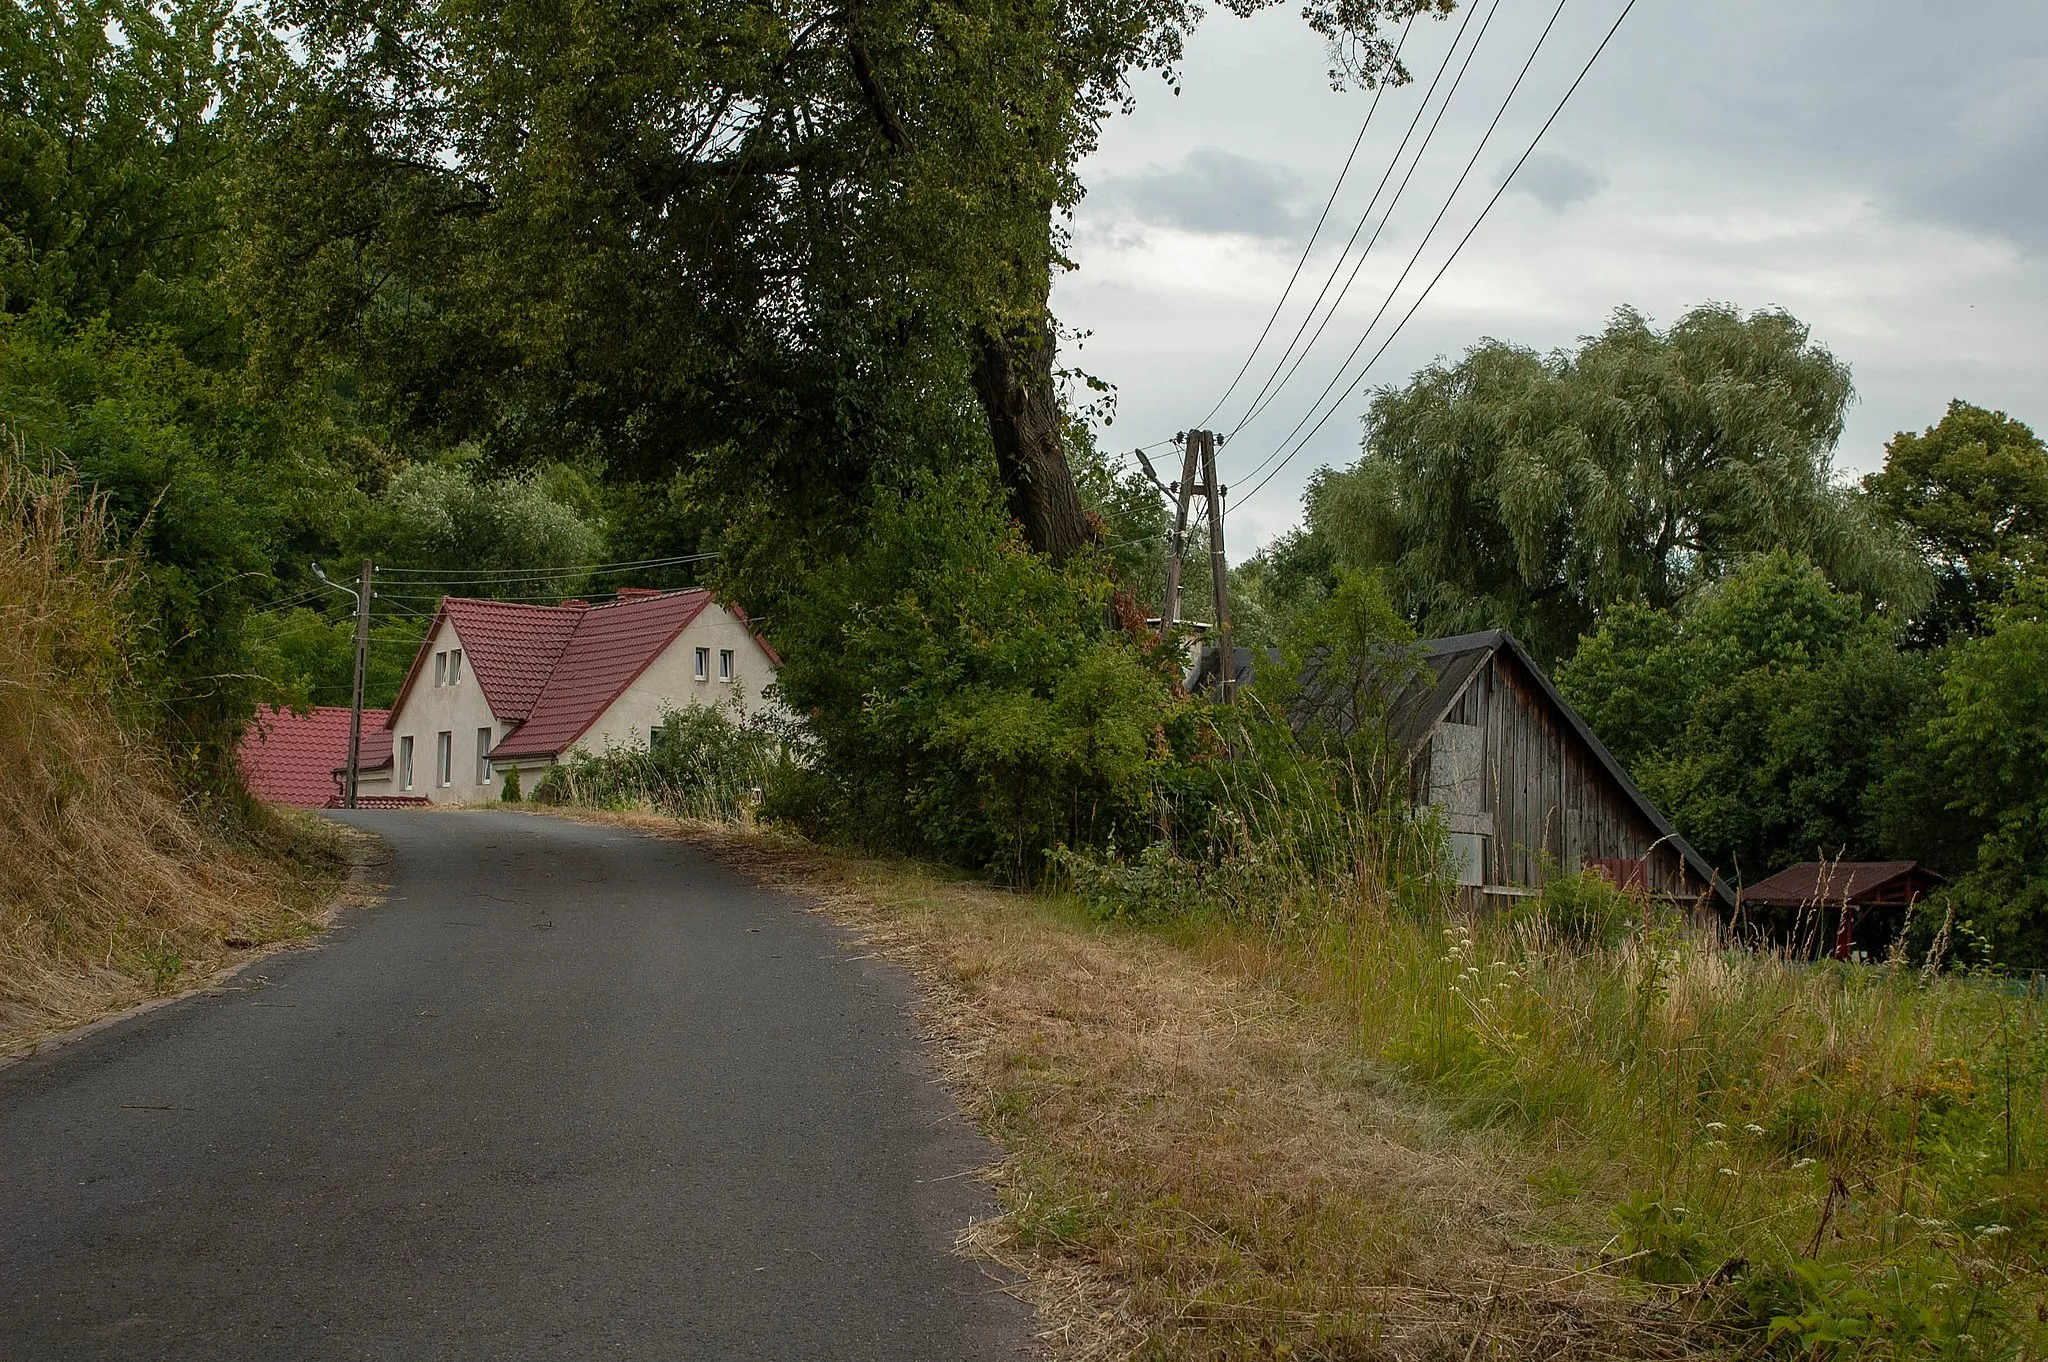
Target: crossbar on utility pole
1176,544
1219,572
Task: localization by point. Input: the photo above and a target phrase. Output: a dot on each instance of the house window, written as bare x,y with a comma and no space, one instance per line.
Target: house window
444,759
703,664
725,664
405,762
454,665
440,669
483,756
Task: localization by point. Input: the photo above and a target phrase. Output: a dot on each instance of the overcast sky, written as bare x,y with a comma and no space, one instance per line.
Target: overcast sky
1873,166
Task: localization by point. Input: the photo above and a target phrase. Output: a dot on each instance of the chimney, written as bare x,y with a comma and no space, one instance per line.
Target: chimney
638,593
575,605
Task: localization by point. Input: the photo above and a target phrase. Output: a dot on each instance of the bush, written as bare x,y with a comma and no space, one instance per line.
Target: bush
965,698
508,793
702,762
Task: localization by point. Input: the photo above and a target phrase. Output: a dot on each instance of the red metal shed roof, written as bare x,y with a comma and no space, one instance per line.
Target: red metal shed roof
290,758
1855,882
611,646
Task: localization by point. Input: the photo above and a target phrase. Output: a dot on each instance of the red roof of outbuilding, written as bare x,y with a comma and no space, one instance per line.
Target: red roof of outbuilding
1816,882
611,646
289,758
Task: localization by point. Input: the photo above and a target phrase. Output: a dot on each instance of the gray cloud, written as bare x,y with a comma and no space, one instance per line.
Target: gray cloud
1555,181
1211,190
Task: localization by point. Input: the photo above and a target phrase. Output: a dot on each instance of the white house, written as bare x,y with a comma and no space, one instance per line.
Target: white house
498,685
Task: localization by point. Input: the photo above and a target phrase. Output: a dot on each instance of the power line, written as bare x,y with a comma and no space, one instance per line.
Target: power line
582,570
1379,89
1268,392
1423,244
1449,260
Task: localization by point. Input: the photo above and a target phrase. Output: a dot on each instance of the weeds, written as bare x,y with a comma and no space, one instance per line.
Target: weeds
1821,1160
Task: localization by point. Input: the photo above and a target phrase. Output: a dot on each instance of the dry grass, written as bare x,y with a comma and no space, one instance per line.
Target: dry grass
112,889
1198,1164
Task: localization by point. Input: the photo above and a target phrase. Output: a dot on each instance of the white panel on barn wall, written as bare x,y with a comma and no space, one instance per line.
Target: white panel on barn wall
1457,770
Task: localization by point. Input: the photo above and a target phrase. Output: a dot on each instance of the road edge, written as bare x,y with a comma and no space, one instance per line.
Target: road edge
366,852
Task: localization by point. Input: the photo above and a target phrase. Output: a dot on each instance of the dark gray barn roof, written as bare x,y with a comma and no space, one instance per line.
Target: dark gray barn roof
1422,685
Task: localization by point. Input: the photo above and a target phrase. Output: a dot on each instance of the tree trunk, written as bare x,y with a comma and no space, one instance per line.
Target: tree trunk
1013,378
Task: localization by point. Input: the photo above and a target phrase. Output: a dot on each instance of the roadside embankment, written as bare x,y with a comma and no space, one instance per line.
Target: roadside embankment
114,887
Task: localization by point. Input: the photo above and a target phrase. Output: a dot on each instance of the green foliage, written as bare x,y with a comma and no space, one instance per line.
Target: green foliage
440,515
703,762
310,657
1763,717
1973,490
508,789
1539,492
1581,909
118,122
963,698
1992,737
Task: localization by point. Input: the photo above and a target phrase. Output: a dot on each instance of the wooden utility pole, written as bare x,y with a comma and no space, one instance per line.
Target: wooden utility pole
1219,571
1176,545
355,709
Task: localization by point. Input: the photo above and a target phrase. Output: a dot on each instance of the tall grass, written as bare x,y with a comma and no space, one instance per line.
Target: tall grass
1827,1160
111,887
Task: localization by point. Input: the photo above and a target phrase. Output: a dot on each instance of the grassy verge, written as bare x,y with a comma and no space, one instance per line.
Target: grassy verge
1201,1160
113,887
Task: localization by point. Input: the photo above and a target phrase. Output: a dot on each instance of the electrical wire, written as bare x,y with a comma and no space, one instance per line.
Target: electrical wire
1394,290
1287,292
1448,262
585,569
1331,315
1268,392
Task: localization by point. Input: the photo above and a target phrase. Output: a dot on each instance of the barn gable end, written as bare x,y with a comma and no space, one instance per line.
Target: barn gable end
1518,779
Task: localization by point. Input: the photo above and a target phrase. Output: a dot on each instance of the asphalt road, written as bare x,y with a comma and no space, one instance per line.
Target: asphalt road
570,1092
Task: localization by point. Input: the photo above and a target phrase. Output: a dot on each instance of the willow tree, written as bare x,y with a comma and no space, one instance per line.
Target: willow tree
777,245
1536,491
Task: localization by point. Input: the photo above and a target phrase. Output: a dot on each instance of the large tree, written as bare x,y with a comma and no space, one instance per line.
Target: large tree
1537,491
779,246
1765,716
1973,490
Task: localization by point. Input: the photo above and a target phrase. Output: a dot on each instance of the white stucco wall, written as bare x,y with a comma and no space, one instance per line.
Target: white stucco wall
670,681
458,709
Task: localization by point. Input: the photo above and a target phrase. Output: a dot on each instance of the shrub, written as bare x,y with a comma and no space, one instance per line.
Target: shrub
509,792
702,762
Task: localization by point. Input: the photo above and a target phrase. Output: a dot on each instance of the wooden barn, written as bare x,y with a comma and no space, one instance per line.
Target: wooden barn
1516,776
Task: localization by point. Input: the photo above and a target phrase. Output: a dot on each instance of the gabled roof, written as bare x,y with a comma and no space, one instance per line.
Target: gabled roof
1453,662
611,646
1422,685
510,649
289,758
1856,882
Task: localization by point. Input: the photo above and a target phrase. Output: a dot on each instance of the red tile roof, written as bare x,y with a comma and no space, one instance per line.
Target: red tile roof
611,646
290,758
510,649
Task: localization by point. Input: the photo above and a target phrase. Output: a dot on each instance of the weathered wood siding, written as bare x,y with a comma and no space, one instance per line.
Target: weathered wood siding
1505,764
